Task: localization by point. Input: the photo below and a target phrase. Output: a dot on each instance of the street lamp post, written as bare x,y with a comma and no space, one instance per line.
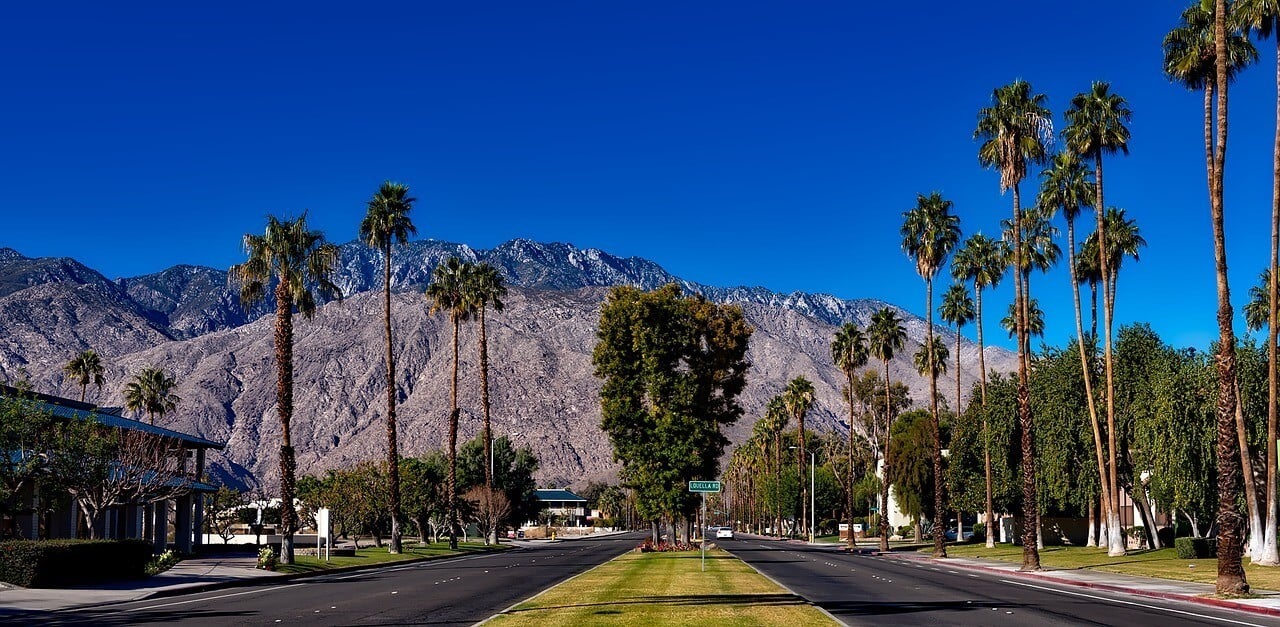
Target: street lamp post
813,499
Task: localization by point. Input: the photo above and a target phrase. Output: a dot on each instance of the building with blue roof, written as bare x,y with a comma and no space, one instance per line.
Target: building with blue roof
129,519
569,509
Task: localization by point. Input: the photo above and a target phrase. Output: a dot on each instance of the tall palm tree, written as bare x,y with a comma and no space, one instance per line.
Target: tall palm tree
849,353
1258,310
1203,54
1035,320
386,220
1015,130
300,263
957,311
776,417
487,289
1065,187
1262,17
85,368
798,398
885,336
982,260
1097,126
929,233
151,391
450,291
933,352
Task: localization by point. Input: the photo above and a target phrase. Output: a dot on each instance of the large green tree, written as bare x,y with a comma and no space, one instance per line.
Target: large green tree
386,221
929,233
450,291
301,264
672,368
1014,130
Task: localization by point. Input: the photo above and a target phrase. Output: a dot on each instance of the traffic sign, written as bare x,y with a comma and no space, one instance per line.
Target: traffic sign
704,486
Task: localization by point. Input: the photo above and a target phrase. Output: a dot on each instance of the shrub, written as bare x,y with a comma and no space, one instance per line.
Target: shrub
906,530
162,562
1165,534
979,533
58,563
1196,548
267,559
648,546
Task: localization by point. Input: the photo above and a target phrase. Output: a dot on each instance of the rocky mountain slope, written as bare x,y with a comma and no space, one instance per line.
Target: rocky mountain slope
188,320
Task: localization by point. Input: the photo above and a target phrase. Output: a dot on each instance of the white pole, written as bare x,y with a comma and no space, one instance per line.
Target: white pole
704,532
813,499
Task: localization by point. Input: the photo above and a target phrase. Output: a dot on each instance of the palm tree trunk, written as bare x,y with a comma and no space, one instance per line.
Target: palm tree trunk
1231,577
1115,538
453,443
804,487
1270,554
284,409
986,436
1087,374
939,541
884,479
1030,556
393,450
84,387
1256,534
1091,534
849,493
484,399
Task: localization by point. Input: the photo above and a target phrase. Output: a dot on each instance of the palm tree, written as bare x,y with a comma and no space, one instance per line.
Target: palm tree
1065,187
982,260
934,351
1014,132
1263,17
798,398
1096,126
486,290
450,291
386,220
300,263
1258,309
849,353
929,232
776,419
1202,54
85,368
151,391
957,310
885,336
1035,320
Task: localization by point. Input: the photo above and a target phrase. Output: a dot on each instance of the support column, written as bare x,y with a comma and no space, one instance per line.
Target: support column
160,526
73,520
34,530
199,519
182,525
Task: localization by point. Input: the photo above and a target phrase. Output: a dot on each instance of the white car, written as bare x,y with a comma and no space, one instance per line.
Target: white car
724,532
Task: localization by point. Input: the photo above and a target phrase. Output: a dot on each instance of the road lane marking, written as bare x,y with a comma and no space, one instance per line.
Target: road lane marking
224,596
1133,603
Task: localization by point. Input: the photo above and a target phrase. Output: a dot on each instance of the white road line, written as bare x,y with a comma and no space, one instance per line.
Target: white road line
1133,603
224,596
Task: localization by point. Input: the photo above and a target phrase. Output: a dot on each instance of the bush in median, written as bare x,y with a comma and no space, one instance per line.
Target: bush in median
1196,548
57,563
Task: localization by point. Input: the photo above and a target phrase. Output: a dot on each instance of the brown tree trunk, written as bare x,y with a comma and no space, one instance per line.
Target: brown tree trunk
453,443
849,493
1030,556
884,480
393,450
939,524
484,400
1231,577
986,437
1115,539
1270,551
804,486
1256,534
284,409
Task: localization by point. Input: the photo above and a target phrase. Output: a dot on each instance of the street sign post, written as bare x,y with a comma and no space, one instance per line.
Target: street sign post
704,487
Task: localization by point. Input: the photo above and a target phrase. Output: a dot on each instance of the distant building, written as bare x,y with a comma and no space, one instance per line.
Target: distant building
567,508
63,519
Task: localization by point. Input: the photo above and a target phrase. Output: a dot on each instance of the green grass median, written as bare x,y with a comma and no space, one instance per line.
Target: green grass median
1162,563
667,589
376,555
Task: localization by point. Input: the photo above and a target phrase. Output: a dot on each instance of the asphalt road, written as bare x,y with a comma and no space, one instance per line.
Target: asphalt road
459,591
865,590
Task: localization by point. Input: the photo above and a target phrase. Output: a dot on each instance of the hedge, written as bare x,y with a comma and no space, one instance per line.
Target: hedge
59,563
1196,548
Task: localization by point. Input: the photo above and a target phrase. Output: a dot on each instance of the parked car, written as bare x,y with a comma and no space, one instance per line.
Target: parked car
724,532
950,535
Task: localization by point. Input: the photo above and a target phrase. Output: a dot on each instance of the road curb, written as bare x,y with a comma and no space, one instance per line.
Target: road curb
784,587
1167,596
244,583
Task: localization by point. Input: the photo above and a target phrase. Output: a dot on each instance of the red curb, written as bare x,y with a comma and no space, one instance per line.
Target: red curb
1168,596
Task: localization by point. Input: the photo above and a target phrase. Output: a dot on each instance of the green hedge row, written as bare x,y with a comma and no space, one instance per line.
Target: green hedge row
57,563
1196,548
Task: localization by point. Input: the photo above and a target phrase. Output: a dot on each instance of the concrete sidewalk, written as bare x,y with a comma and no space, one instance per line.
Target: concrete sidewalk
197,572
1266,602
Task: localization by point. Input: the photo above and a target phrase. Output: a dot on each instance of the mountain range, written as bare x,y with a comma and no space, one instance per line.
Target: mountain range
188,320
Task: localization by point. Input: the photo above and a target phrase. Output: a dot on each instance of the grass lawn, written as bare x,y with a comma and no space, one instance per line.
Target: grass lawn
667,589
1163,563
375,555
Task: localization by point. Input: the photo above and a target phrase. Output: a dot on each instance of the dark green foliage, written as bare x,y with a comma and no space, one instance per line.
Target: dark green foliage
513,474
979,533
911,465
672,368
1196,548
59,563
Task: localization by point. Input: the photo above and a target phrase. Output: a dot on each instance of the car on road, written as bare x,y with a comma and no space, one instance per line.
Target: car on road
724,532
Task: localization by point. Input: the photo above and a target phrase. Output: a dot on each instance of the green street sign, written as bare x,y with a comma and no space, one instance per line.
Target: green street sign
704,486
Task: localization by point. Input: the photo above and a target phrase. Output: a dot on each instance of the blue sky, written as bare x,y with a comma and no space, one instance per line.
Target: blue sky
733,142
